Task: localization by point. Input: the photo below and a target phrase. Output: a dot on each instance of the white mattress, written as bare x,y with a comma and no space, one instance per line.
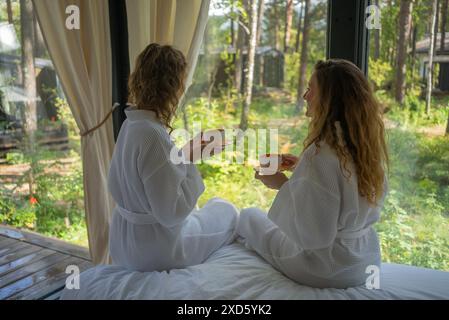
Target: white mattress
233,272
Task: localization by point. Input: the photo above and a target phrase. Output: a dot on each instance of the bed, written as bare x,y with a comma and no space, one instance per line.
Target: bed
234,272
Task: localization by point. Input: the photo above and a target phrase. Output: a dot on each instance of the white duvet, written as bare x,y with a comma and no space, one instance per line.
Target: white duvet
234,272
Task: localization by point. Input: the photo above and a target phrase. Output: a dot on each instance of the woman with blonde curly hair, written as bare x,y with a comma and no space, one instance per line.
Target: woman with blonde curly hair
319,229
155,225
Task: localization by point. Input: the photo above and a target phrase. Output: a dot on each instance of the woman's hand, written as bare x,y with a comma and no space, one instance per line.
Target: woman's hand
273,181
285,162
288,162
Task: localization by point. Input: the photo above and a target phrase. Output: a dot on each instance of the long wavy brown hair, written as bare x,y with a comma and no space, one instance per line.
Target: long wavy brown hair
158,81
347,116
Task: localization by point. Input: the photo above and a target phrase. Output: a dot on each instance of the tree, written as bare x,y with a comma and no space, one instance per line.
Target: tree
276,23
240,43
9,10
232,24
260,15
443,30
29,79
250,66
413,56
260,20
299,26
431,54
437,23
288,23
303,58
447,126
404,30
376,39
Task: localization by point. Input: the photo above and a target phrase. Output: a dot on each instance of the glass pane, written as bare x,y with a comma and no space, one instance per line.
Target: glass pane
415,224
40,168
218,92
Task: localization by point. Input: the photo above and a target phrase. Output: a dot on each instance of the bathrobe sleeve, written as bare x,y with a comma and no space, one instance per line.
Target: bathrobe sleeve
308,205
171,189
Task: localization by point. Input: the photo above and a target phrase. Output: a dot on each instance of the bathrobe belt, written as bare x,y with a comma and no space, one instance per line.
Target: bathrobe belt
136,217
347,234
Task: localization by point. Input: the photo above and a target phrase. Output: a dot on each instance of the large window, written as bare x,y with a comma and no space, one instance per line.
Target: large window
40,169
415,225
415,219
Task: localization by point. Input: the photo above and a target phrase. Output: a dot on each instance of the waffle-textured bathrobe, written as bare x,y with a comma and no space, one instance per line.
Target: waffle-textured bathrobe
155,225
318,231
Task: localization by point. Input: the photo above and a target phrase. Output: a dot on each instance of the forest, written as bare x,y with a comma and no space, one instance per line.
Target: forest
252,71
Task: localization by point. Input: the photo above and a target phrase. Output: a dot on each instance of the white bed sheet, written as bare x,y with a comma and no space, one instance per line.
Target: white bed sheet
234,272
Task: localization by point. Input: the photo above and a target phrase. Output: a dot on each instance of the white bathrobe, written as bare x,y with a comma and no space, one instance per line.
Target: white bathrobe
155,225
319,230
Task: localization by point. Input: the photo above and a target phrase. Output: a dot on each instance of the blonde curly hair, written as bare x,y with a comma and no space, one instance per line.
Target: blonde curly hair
158,81
348,117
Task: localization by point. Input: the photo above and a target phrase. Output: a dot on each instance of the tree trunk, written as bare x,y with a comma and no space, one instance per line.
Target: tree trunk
250,68
232,25
392,52
260,21
404,29
413,57
431,54
9,10
437,23
29,83
299,27
303,58
212,79
443,24
28,69
447,126
288,23
260,16
376,39
241,39
276,25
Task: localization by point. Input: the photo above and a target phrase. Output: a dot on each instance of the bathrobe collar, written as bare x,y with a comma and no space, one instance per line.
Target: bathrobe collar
133,114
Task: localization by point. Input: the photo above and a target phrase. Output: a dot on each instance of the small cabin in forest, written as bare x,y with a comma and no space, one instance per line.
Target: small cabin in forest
441,58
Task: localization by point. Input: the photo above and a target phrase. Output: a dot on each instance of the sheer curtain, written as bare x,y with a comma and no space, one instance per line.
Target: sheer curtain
82,59
180,23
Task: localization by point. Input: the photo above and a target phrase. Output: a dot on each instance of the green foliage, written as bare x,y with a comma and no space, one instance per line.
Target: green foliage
57,211
292,72
15,158
380,73
412,113
65,117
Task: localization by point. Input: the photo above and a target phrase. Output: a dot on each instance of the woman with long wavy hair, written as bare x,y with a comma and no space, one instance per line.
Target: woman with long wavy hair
155,225
319,231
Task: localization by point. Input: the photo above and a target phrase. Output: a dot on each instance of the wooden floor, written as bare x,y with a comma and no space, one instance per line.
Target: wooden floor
33,266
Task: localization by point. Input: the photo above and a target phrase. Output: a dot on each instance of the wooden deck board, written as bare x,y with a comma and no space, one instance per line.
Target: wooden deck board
31,269
46,242
33,266
50,280
24,260
23,251
13,247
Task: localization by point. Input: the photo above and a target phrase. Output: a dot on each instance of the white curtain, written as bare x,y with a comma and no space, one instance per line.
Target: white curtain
82,59
180,23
